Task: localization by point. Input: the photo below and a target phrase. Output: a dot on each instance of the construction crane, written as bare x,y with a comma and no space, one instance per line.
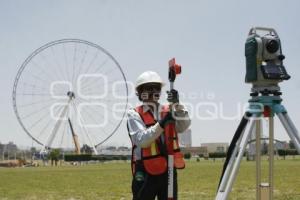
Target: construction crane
75,138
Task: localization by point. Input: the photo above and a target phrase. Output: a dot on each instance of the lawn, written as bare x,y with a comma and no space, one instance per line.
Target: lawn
111,181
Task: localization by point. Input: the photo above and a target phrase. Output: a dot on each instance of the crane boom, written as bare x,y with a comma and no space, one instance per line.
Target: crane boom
75,138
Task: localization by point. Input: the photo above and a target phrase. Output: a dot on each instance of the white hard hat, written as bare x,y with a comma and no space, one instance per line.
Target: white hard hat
148,77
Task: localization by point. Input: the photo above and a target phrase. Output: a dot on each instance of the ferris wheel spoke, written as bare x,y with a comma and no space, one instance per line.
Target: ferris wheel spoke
36,111
74,61
101,65
40,79
66,63
95,72
93,101
39,120
96,104
83,137
38,94
42,70
35,103
44,129
109,71
91,62
110,92
57,75
57,125
116,90
80,65
107,107
58,63
96,121
91,83
113,81
47,124
63,134
33,86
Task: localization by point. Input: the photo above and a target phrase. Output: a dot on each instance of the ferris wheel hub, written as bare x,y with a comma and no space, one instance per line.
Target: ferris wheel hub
71,94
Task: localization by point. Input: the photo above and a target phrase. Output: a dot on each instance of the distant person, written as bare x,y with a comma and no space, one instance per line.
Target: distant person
146,125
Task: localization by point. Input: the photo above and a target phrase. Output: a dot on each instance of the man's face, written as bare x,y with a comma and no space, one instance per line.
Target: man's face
150,92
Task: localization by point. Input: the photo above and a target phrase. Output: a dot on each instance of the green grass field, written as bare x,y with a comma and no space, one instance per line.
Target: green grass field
111,181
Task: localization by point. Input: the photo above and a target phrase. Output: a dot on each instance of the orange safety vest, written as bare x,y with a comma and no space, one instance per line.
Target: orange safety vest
154,157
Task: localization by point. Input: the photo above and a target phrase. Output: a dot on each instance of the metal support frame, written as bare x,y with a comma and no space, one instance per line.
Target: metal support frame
56,127
239,143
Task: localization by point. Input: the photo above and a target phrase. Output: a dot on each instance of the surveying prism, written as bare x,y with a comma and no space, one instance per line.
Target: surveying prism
264,70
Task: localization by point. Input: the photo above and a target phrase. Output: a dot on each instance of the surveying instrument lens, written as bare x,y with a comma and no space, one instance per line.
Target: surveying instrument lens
272,46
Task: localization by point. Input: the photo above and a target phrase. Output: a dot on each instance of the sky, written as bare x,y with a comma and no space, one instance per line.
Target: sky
206,37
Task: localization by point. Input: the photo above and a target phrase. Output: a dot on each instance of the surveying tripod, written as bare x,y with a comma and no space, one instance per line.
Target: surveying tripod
263,104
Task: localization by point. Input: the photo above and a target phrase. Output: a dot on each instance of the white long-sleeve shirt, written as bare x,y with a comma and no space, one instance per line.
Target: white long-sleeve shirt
142,137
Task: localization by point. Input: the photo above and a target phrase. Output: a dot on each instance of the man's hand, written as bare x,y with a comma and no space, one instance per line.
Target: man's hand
173,96
167,118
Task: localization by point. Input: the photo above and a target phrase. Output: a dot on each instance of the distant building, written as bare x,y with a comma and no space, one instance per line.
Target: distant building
264,147
8,151
1,148
11,147
123,148
113,150
216,147
281,145
185,138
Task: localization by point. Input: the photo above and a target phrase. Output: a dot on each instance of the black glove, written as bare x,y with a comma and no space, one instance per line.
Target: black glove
173,96
167,118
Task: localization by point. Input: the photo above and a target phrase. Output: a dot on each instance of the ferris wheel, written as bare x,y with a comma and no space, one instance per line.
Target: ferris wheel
70,93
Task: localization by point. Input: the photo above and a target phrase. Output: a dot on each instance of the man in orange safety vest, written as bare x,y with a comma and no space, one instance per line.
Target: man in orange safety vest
146,126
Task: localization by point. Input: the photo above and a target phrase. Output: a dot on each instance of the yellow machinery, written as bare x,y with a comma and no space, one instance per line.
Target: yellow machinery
75,138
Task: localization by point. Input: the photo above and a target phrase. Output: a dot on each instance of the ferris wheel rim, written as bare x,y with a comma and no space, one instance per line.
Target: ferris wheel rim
50,44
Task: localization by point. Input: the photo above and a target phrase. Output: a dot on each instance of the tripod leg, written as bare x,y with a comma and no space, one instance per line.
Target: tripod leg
258,159
228,169
295,131
271,156
290,129
232,151
224,195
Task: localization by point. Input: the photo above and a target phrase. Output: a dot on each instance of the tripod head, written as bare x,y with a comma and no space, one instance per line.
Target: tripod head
264,60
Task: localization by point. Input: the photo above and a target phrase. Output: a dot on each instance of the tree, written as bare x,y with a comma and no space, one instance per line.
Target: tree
33,150
282,152
292,145
86,149
54,156
265,148
187,156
